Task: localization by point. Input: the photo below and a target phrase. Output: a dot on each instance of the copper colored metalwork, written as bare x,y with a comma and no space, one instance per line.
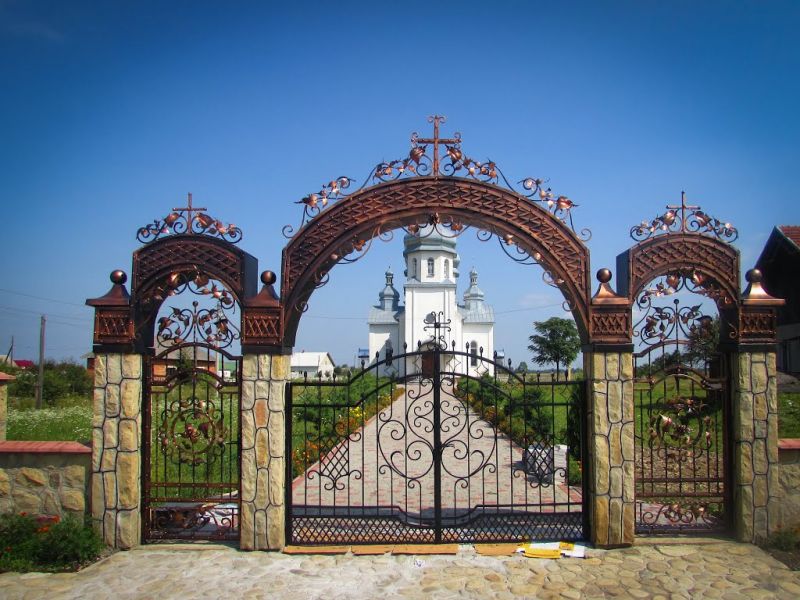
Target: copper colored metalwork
314,251
188,220
676,220
445,159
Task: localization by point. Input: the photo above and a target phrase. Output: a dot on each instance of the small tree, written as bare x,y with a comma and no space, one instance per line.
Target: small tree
555,341
522,368
703,342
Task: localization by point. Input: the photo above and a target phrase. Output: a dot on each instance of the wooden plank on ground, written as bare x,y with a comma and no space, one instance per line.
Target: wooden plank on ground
496,549
372,549
316,549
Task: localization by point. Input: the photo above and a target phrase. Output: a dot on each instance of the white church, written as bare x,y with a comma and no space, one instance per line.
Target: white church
431,272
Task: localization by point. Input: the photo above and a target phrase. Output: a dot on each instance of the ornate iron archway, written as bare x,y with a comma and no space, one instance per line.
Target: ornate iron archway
437,184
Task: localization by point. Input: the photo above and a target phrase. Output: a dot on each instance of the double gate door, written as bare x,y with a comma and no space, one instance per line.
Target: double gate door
437,445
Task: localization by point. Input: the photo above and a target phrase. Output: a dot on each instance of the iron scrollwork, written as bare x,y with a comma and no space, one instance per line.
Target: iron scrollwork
684,219
445,158
189,220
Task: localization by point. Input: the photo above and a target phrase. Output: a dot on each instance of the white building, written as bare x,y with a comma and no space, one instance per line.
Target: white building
431,271
313,364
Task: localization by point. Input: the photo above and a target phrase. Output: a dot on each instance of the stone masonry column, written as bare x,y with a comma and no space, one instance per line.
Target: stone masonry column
754,414
116,448
756,489
263,407
610,438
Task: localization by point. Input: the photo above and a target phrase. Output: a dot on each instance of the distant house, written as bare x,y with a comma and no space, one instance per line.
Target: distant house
25,364
312,364
780,265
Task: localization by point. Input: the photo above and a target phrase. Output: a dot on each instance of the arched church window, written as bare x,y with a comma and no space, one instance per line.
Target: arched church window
414,269
446,269
430,267
473,350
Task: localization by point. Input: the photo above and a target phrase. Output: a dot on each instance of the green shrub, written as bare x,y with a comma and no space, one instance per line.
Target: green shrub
784,539
30,543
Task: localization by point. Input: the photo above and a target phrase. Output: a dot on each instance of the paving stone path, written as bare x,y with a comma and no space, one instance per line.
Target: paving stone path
664,569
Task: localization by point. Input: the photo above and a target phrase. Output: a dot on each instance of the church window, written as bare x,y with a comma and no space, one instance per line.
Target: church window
473,350
430,267
414,269
446,269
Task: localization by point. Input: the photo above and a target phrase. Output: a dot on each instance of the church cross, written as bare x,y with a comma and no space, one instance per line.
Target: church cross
683,208
189,209
436,140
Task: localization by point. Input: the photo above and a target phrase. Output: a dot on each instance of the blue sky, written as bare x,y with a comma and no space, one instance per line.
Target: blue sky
111,112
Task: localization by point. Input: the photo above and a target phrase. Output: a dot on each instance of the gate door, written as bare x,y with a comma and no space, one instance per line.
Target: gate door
191,444
681,407
468,452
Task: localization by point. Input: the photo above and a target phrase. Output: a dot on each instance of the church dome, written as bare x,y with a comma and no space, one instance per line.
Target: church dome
429,239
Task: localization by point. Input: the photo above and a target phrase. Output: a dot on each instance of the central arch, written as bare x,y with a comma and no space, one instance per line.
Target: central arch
355,220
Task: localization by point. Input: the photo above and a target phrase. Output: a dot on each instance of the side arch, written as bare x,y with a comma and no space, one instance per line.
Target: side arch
716,261
157,262
366,214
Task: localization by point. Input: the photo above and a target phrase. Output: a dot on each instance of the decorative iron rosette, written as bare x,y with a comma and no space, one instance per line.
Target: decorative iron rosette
188,220
193,432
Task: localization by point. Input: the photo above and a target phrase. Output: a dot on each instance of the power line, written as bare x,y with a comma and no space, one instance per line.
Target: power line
59,301
49,314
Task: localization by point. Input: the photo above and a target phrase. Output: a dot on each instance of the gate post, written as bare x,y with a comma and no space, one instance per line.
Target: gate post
265,371
756,488
263,415
608,368
116,497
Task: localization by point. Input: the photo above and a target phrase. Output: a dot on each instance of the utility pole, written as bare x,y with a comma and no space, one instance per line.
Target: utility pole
40,382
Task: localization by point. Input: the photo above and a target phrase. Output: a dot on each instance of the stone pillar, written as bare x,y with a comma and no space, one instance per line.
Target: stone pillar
610,438
756,487
116,449
5,379
263,516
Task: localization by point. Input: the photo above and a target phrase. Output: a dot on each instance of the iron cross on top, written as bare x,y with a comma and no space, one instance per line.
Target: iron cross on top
436,140
189,210
683,208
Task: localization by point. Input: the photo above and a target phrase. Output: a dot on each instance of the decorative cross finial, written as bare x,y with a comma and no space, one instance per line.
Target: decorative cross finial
683,208
436,140
189,209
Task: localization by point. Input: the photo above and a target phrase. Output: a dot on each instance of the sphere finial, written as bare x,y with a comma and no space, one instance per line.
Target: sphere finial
268,277
753,276
604,275
118,277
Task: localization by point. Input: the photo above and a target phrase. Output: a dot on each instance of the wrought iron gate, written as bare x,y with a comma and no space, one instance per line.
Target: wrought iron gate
191,444
468,452
681,402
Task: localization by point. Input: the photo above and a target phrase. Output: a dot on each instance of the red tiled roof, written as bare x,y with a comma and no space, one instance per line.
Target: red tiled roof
44,447
792,232
25,364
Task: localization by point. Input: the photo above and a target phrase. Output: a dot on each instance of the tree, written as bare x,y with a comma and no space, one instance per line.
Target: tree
522,368
703,342
555,341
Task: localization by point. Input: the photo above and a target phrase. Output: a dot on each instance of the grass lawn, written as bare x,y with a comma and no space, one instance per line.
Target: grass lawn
789,414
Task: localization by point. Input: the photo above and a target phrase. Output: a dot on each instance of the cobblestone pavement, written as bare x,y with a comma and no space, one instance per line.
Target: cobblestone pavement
660,569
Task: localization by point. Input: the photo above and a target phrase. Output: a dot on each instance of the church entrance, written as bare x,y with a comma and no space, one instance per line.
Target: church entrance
432,453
